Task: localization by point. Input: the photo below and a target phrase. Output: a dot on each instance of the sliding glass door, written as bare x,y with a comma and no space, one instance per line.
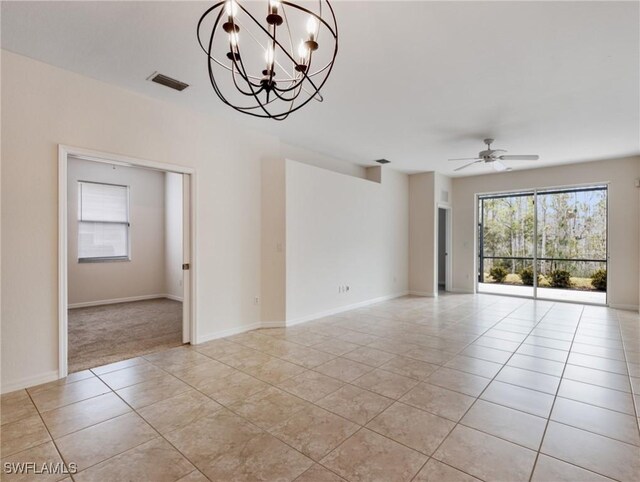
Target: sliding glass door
506,243
549,244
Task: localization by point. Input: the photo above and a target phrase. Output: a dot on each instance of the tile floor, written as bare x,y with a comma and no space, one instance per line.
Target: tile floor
457,388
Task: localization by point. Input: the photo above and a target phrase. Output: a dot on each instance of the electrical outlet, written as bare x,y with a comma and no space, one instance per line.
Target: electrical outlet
346,288
256,300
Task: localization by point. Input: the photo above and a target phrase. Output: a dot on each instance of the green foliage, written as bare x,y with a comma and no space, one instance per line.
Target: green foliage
526,275
599,280
560,278
502,263
498,273
570,225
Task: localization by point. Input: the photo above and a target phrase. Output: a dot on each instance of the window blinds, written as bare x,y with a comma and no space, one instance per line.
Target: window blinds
103,221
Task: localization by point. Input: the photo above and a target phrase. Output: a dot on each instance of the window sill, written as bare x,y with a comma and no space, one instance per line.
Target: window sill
104,260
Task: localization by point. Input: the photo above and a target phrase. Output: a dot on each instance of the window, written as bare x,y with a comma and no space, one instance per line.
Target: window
103,222
545,243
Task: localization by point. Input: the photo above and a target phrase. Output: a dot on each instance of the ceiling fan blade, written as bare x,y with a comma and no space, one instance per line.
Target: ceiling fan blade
467,165
531,157
466,159
499,166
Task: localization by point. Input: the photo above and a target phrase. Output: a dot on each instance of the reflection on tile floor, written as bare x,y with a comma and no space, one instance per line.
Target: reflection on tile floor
459,387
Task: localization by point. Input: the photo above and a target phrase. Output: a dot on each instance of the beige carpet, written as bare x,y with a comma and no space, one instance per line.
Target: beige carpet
109,333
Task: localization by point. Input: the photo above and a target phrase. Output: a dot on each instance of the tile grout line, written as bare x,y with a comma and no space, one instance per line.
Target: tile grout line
223,407
133,410
349,383
240,415
179,428
313,403
360,427
55,445
473,403
394,400
626,361
440,365
429,457
159,435
578,428
487,386
555,397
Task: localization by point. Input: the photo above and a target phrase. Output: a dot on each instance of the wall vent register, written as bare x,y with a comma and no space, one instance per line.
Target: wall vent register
168,82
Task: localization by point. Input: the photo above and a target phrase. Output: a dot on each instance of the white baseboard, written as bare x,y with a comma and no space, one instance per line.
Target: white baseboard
422,293
623,307
461,291
173,297
282,324
113,301
29,382
238,330
51,376
272,324
340,309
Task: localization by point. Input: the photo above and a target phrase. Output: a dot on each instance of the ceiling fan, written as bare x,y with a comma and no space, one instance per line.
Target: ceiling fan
494,157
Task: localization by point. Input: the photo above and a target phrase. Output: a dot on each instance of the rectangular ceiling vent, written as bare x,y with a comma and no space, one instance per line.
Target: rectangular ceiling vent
383,161
167,81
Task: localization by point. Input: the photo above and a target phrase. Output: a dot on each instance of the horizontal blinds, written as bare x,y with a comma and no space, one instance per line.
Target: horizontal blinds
102,240
103,202
103,215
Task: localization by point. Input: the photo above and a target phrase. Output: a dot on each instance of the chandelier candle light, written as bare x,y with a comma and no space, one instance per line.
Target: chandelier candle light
282,64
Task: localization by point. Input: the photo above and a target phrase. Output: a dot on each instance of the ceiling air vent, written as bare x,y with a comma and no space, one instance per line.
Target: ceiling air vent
383,161
167,81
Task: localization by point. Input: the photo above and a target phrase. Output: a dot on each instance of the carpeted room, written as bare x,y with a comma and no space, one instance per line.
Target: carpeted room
124,262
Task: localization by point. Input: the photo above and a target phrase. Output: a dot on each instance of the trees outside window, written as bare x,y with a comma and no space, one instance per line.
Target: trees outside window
567,226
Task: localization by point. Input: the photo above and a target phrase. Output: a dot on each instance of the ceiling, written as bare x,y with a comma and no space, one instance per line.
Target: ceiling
414,82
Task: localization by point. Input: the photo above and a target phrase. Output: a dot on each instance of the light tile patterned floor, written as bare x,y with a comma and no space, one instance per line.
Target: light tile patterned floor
459,387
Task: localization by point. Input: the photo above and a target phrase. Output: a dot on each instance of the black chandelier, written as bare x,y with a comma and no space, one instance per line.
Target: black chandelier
281,66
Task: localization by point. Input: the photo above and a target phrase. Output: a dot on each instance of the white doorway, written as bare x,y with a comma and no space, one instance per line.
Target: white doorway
444,263
75,254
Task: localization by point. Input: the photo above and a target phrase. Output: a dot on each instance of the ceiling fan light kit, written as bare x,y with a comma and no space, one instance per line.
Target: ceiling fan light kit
495,158
295,64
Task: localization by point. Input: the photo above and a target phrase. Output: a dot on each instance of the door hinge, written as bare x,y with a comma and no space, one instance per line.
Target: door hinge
186,266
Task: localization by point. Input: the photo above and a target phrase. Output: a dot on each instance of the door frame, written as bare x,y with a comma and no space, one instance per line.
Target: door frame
448,280
189,229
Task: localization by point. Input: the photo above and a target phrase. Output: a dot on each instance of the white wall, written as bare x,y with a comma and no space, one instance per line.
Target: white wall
144,274
427,192
422,243
43,106
273,276
287,151
624,218
343,230
173,235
